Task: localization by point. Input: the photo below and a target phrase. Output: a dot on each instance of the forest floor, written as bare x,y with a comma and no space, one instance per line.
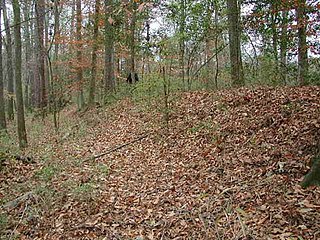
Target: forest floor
226,166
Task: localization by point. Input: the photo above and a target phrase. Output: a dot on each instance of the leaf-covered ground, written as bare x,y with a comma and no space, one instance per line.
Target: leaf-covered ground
227,166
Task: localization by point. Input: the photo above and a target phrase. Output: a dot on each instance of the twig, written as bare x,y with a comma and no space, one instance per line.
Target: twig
206,62
17,201
163,231
23,213
112,149
242,226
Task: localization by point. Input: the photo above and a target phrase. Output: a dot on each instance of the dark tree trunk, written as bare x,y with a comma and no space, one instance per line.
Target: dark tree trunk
302,43
3,124
109,79
40,14
274,37
79,54
54,70
94,55
18,59
9,63
283,46
182,29
28,54
234,43
133,40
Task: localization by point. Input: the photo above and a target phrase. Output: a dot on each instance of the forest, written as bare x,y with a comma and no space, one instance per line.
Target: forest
149,119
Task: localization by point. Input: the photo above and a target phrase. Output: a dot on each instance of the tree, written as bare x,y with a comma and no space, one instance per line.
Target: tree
18,58
94,55
132,39
234,42
79,54
3,124
182,30
40,18
28,53
284,45
274,19
313,176
54,71
9,62
109,80
302,42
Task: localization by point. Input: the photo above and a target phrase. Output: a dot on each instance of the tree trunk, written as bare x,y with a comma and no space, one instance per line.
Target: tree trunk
182,41
274,38
40,14
3,124
109,79
283,46
54,72
80,97
94,55
234,43
133,40
302,43
28,54
9,63
18,59
216,38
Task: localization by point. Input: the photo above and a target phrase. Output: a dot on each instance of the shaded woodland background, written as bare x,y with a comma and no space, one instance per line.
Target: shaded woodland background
57,52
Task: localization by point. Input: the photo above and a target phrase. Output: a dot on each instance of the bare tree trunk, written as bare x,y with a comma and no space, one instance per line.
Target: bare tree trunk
3,124
274,37
182,41
109,79
54,70
40,14
302,43
283,46
216,38
18,59
94,55
28,54
133,40
9,63
79,54
234,43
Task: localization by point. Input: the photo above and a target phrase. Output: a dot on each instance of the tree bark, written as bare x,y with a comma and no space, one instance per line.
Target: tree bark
79,54
284,46
28,54
40,14
109,78
18,59
234,43
94,55
216,37
3,124
274,37
9,63
182,29
302,43
133,40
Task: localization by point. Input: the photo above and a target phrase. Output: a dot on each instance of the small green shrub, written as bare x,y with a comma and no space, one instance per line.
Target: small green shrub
103,169
46,173
3,221
84,191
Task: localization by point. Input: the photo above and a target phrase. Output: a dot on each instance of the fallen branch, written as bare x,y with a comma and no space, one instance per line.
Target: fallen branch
14,203
110,150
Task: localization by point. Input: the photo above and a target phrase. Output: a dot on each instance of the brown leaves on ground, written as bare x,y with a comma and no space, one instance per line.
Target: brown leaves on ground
228,167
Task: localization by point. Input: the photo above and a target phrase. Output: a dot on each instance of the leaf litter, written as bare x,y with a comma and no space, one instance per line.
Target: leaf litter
228,167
